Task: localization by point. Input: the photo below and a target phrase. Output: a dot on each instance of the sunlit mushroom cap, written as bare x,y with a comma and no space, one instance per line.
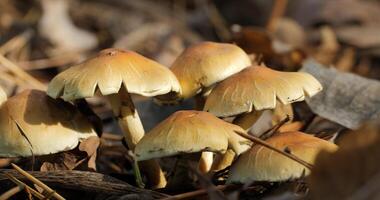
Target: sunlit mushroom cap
262,164
3,96
108,70
31,123
188,132
207,63
257,87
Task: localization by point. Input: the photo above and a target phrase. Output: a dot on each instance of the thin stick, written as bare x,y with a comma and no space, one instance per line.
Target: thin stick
17,41
51,62
267,145
217,21
37,182
278,11
21,73
18,182
8,194
268,133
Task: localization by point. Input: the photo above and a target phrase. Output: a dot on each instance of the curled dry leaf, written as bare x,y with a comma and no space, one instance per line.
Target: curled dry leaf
254,40
352,171
90,146
347,99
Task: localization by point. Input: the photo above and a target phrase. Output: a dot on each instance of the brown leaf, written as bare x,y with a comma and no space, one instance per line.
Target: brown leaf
353,171
90,146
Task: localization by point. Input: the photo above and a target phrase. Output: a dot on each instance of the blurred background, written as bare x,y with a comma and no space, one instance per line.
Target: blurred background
44,37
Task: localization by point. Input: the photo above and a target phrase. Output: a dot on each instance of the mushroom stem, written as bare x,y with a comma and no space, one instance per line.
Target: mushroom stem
269,146
130,123
245,121
128,117
222,161
205,162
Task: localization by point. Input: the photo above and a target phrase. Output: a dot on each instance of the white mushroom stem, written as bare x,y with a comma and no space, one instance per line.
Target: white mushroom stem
245,121
205,162
133,130
207,158
222,161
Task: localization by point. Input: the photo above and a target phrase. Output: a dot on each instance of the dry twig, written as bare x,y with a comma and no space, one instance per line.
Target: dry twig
38,182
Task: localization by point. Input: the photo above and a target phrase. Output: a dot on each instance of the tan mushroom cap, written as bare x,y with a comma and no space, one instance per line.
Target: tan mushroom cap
207,63
108,70
262,164
188,132
3,96
257,87
31,123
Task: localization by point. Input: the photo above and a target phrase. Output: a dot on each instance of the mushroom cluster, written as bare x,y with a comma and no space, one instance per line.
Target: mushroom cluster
222,78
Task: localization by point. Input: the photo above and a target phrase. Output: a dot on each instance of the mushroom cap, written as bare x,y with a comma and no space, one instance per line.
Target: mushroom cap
189,132
3,96
262,164
32,123
108,70
257,87
207,63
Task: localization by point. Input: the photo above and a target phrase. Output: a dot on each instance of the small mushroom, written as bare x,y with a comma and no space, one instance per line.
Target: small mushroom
246,94
116,74
202,65
32,123
262,164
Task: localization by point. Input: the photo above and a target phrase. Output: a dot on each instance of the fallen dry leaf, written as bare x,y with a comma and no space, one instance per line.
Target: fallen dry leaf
346,99
90,146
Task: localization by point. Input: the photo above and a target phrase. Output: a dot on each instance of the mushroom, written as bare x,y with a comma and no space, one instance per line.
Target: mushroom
187,132
246,94
117,74
31,123
200,67
262,164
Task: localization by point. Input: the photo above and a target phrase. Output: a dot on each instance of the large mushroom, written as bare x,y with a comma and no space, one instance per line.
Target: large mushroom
33,124
117,74
262,164
186,132
246,94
